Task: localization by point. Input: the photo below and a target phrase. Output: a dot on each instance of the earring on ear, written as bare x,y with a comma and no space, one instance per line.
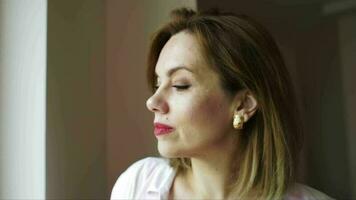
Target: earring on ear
238,121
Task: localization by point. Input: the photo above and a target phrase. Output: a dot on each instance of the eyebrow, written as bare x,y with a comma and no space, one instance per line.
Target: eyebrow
172,70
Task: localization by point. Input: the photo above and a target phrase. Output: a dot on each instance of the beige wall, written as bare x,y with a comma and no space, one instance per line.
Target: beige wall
129,123
76,112
97,121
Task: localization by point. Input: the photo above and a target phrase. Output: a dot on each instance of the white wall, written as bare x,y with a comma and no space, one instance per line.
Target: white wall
22,98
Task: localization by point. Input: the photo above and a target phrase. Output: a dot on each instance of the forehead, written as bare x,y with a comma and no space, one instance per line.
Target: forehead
182,49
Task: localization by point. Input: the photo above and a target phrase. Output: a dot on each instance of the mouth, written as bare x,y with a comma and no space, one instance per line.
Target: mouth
162,129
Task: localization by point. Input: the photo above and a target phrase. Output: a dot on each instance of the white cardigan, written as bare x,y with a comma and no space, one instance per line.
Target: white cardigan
151,178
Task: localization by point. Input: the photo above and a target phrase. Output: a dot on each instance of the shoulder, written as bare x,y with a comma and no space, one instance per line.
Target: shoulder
303,192
140,176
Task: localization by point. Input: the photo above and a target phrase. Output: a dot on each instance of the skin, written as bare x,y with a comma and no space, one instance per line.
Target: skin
201,114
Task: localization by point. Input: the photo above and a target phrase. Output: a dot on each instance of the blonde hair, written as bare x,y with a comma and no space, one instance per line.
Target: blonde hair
245,56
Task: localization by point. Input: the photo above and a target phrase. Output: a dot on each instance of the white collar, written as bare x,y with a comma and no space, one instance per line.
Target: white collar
162,185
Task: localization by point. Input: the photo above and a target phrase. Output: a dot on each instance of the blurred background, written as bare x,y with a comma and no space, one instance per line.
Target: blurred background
73,90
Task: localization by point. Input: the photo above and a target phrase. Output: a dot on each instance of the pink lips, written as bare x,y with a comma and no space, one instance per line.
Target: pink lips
162,129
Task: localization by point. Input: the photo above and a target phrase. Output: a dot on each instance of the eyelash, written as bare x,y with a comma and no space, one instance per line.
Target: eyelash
178,87
181,87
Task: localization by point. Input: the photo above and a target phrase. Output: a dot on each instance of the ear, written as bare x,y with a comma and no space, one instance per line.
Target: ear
245,104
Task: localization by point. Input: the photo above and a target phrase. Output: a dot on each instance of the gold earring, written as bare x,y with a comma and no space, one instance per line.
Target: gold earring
238,121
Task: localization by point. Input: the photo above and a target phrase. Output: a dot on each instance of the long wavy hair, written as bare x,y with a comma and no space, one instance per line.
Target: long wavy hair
245,56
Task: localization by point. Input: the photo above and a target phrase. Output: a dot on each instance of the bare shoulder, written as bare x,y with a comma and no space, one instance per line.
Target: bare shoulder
303,192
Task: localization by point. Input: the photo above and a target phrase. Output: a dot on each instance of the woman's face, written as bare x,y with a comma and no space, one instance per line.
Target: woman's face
191,100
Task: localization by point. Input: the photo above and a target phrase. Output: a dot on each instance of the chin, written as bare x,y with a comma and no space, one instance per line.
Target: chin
168,151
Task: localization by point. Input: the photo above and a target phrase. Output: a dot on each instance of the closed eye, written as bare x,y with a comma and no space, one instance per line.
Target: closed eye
181,87
178,87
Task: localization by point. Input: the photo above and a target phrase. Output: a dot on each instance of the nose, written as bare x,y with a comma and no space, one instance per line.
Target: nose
157,104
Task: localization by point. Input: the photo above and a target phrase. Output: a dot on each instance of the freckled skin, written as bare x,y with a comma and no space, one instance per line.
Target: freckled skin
201,114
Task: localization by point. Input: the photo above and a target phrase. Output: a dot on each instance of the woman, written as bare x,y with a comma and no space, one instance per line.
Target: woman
226,119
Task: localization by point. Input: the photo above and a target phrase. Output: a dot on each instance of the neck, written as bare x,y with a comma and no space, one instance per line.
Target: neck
210,175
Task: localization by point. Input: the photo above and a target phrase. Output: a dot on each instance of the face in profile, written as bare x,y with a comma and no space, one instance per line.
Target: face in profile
190,99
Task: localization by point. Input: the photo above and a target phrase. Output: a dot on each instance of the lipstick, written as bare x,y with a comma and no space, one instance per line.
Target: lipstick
162,129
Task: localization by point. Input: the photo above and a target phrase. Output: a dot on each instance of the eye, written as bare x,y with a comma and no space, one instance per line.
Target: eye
178,87
181,87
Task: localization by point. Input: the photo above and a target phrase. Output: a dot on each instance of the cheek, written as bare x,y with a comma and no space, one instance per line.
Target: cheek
210,113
